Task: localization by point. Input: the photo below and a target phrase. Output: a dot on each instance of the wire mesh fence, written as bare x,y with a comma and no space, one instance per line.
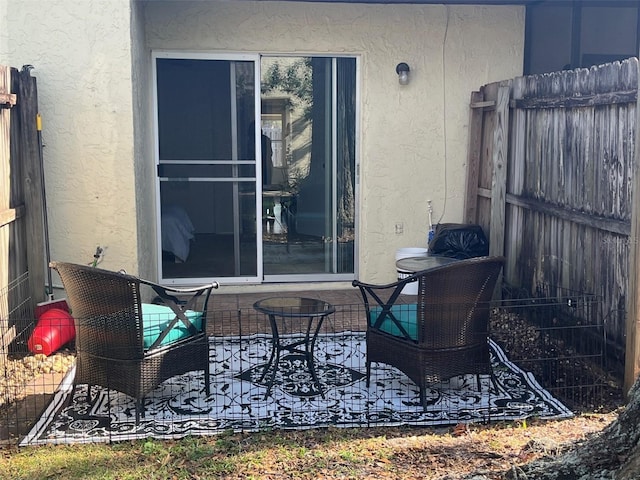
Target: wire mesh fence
548,351
558,335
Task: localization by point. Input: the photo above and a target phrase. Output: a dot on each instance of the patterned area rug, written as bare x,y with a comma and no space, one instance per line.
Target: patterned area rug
180,407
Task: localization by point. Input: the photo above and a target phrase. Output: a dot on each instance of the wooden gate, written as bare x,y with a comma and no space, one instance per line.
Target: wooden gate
22,268
551,163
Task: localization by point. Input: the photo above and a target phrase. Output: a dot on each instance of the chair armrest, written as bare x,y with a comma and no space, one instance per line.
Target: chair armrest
165,292
182,290
379,301
180,307
359,284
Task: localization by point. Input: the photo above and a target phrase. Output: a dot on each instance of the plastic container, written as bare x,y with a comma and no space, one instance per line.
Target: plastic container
410,288
54,329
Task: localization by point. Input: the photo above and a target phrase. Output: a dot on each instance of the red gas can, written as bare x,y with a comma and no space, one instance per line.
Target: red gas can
54,329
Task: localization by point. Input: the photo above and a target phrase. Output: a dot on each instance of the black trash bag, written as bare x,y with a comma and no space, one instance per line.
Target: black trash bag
459,240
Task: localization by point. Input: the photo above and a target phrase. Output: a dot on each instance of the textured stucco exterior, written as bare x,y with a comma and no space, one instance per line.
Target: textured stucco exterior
413,139
81,52
145,172
93,66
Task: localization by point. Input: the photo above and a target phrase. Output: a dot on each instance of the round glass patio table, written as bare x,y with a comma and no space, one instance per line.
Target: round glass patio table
291,316
420,264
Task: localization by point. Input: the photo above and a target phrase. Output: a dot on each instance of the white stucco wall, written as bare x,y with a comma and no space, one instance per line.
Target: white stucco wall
413,139
93,68
81,51
145,172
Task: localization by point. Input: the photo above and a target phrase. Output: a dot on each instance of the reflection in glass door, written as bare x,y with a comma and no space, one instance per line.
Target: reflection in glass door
207,171
308,113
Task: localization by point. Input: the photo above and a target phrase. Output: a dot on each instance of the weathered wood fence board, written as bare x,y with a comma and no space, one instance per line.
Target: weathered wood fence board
5,197
499,170
568,182
21,206
632,365
32,172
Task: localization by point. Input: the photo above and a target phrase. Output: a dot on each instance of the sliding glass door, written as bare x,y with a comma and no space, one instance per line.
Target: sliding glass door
207,170
309,114
225,215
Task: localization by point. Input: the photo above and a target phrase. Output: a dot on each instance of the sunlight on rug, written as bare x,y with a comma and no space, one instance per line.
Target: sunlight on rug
179,407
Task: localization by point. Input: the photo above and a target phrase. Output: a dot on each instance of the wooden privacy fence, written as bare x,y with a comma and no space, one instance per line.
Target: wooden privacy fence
551,160
22,267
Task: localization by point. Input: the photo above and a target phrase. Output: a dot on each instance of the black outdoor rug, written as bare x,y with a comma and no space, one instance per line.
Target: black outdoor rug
179,407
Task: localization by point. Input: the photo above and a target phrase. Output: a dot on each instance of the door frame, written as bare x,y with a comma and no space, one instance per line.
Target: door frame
260,277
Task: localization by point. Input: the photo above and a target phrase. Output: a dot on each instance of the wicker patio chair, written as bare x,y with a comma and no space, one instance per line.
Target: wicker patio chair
130,346
438,334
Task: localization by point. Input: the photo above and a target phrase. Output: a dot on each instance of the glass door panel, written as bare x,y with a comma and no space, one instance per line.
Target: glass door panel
308,196
207,168
345,161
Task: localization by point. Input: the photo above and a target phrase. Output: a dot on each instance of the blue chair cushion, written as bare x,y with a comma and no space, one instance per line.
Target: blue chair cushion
156,318
406,315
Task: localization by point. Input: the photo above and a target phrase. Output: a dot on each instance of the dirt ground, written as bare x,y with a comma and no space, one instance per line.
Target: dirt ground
464,452
492,450
26,386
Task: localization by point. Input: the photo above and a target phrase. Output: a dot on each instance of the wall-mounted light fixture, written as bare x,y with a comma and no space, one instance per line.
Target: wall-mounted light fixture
402,69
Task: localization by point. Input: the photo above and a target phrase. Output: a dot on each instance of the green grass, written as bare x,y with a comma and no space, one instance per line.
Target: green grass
147,459
334,453
288,454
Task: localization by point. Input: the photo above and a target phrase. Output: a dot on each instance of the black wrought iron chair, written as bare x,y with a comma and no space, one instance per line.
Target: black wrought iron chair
130,346
441,333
